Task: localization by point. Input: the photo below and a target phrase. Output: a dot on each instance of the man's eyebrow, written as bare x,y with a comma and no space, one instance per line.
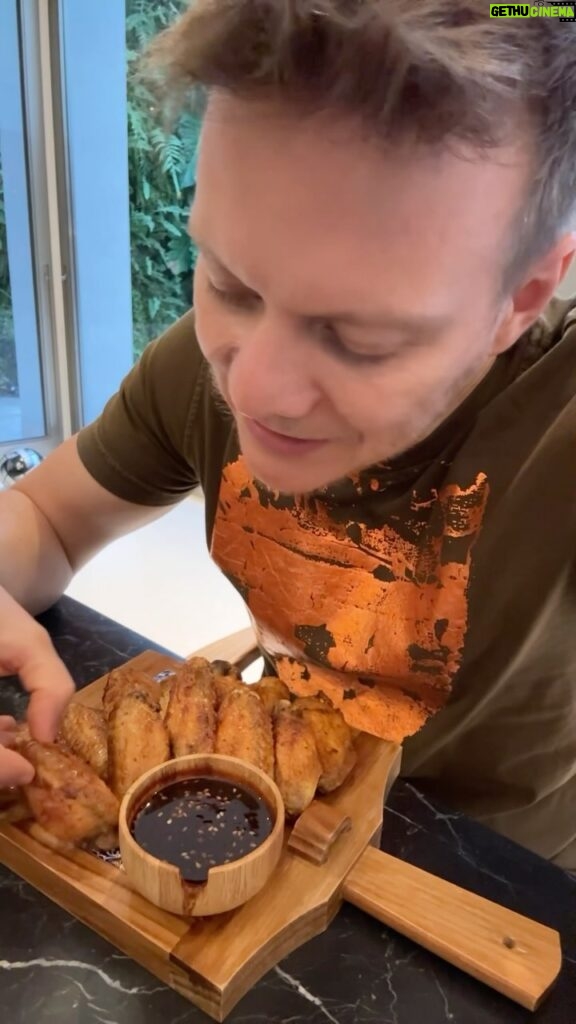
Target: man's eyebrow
198,241
394,321
417,324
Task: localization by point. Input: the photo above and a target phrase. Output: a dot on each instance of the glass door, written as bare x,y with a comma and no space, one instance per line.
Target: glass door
22,414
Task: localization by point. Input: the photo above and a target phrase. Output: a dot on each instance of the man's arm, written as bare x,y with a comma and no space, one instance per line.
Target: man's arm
58,516
53,521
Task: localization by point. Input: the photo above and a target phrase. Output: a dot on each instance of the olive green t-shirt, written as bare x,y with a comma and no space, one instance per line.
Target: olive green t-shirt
433,598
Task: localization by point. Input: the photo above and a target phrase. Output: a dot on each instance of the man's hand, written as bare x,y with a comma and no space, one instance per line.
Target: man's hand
26,650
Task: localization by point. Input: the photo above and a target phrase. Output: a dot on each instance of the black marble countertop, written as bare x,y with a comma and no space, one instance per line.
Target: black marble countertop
53,969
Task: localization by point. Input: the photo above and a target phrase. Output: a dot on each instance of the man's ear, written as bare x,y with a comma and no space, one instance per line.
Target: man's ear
525,305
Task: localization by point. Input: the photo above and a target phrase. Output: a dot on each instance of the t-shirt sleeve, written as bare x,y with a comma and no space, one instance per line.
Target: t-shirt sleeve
140,447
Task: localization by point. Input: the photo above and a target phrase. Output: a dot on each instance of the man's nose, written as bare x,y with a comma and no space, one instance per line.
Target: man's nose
270,373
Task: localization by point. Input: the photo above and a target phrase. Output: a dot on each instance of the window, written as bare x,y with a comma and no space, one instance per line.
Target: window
130,183
21,394
95,260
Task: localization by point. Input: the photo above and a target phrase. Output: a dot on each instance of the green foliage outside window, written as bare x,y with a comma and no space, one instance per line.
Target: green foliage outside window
161,182
161,178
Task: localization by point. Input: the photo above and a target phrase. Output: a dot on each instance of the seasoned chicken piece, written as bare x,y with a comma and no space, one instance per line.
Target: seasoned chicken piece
137,739
225,685
83,731
227,669
271,691
191,716
13,807
70,804
124,681
9,797
227,678
164,699
298,765
334,740
245,729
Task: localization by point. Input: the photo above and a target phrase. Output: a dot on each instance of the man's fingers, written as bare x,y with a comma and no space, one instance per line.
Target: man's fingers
45,711
14,770
7,730
51,687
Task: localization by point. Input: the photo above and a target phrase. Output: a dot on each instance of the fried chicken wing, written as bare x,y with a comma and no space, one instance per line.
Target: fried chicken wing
83,731
191,715
225,685
271,691
137,739
69,802
124,681
298,766
334,740
227,669
227,678
165,694
13,806
245,729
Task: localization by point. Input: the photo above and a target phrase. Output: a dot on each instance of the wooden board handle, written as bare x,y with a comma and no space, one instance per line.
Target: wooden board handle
511,953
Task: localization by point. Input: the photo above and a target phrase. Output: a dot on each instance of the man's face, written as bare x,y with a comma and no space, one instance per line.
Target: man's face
345,296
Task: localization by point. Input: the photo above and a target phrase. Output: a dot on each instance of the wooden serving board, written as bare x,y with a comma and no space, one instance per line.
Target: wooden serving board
329,855
214,962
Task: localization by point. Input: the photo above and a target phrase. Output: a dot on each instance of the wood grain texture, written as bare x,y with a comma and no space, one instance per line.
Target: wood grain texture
213,961
228,885
512,954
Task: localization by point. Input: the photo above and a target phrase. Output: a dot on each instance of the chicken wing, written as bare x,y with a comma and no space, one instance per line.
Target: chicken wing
70,804
334,740
226,685
13,806
83,731
271,691
245,729
137,739
191,715
165,694
227,678
124,681
227,669
298,766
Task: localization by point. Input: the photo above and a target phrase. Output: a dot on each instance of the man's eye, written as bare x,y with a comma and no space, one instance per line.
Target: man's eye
338,347
236,299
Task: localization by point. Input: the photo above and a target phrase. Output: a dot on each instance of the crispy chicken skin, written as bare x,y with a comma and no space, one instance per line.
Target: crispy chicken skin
226,685
298,765
83,731
71,805
245,729
226,668
271,691
334,740
227,678
137,739
122,682
165,694
204,707
191,717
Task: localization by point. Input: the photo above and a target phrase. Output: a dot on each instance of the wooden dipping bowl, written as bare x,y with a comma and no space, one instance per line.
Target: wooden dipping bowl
228,885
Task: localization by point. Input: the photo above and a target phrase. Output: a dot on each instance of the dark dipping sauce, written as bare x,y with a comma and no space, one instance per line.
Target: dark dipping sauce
198,824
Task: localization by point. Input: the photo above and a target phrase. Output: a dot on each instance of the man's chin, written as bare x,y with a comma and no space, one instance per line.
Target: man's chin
290,479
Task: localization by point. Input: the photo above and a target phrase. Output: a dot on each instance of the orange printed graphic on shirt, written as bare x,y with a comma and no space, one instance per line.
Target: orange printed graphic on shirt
375,616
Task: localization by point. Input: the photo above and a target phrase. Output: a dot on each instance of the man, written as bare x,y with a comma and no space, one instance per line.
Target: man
375,391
